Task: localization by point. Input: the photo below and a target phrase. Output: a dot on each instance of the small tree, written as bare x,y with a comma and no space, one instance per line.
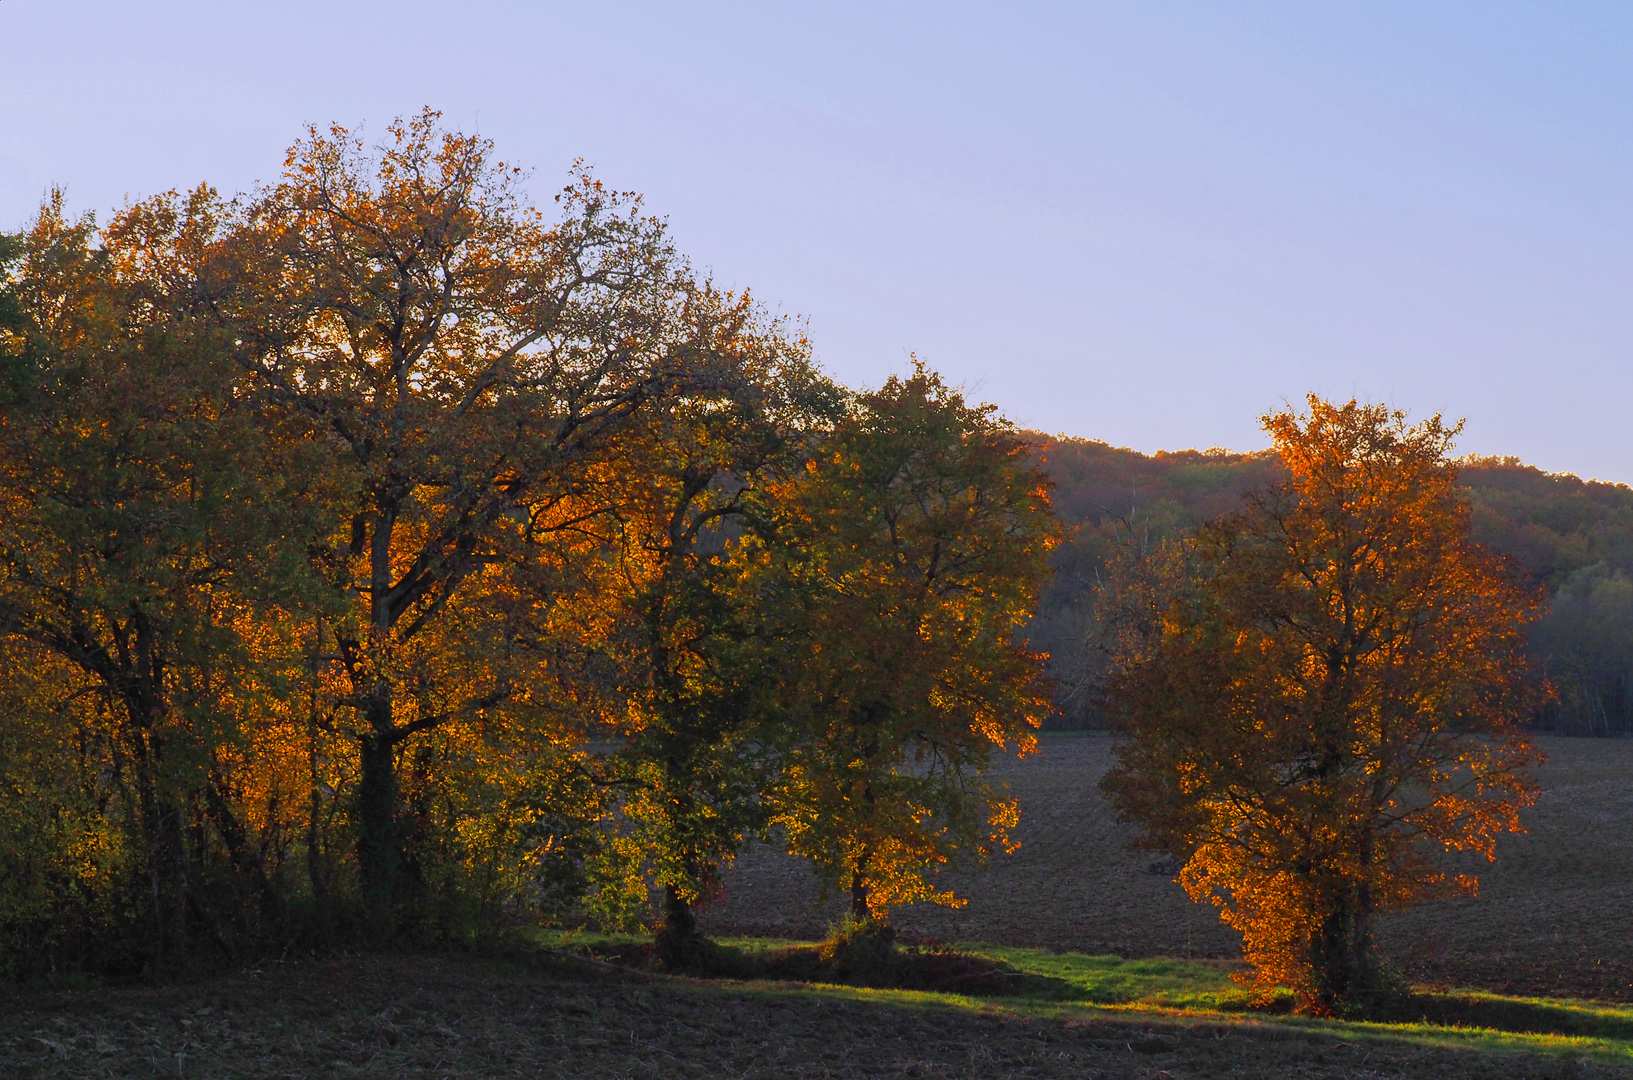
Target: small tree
1322,690
923,534
691,502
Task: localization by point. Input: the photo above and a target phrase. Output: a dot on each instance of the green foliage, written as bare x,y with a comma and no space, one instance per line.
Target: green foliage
859,947
146,524
1576,537
14,321
920,538
1113,500
1585,646
64,861
1554,524
700,656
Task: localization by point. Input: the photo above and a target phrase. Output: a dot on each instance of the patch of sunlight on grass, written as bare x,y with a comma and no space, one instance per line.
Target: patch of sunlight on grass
1111,980
760,944
1057,984
1484,1039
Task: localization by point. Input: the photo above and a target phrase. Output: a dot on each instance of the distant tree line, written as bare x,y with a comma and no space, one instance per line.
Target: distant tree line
1572,537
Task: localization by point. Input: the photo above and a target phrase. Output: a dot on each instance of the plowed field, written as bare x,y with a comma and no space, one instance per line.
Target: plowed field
1554,915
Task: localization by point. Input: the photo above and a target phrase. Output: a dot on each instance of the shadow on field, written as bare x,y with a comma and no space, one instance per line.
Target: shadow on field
932,968
1513,1015
915,968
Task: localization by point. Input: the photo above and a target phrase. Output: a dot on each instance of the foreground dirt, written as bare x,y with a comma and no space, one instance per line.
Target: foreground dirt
396,1017
1552,916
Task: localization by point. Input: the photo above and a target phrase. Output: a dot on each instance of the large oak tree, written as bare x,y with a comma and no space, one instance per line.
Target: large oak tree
464,360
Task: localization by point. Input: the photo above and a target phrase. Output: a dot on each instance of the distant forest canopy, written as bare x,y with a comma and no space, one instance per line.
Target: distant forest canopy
1571,536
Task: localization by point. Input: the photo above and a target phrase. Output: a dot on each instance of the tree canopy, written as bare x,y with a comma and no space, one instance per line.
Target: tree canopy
1322,689
923,534
385,558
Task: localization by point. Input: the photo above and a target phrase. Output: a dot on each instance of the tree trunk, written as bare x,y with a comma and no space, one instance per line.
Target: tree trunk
1342,955
1331,960
314,807
1360,958
860,911
173,844
160,820
678,943
377,841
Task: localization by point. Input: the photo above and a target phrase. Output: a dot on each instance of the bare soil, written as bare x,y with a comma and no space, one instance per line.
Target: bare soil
1554,914
1552,918
429,1017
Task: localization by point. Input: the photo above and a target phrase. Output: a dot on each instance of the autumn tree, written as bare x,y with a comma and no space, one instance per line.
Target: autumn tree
145,523
922,532
1322,690
463,359
698,652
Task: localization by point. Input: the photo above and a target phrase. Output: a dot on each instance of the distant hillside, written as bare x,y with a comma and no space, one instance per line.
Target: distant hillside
1554,524
1573,537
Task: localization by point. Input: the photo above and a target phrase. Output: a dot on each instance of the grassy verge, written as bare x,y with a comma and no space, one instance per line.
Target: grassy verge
1061,985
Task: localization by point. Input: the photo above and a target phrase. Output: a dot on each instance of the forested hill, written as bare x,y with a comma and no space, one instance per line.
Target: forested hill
1555,524
1573,537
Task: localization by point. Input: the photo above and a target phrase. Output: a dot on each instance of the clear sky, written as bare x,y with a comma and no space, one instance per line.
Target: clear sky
1142,222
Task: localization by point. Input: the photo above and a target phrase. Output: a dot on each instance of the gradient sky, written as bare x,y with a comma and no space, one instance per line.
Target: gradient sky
1143,222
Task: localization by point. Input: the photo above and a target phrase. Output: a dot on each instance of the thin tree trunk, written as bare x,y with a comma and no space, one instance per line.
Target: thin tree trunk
1360,959
314,860
378,856
860,911
314,863
160,824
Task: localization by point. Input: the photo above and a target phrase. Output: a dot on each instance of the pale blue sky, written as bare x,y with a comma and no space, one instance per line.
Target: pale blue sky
1140,222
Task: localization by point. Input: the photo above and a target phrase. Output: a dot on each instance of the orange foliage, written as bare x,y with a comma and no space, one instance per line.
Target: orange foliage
1323,691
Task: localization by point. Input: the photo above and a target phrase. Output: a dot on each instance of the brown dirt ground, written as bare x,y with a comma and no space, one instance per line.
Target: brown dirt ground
1552,918
426,1017
1554,914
